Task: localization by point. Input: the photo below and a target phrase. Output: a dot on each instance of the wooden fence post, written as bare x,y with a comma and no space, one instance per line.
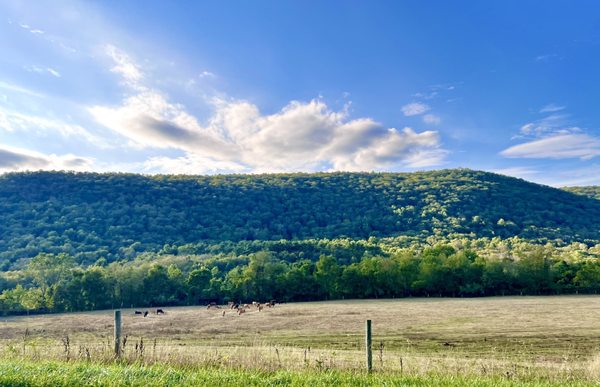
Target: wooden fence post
368,343
117,334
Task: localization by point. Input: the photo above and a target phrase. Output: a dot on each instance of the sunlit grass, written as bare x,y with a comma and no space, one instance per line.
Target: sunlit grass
48,373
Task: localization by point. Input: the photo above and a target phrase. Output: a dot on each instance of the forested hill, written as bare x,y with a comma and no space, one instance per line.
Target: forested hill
115,216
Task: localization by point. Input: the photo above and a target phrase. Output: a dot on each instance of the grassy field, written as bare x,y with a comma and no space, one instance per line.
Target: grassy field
553,340
53,374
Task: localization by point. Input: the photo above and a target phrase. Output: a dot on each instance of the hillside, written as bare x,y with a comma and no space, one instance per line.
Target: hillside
589,191
114,216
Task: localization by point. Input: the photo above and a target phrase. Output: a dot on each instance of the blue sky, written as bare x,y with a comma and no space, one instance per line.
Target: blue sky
271,86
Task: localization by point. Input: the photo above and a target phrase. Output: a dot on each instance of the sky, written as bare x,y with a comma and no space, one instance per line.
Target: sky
206,87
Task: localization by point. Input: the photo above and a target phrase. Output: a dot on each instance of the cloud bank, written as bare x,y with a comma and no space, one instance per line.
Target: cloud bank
301,136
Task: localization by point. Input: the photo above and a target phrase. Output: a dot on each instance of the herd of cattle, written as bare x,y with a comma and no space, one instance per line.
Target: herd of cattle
238,307
146,313
241,308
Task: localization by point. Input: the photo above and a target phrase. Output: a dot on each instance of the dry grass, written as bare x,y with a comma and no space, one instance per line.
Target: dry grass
556,337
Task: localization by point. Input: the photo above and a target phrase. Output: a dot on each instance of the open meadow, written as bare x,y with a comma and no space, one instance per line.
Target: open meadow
552,339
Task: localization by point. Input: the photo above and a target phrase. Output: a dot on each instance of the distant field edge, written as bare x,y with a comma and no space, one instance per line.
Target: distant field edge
51,373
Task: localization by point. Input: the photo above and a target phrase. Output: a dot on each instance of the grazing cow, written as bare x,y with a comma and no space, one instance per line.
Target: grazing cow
145,313
247,306
254,303
240,311
230,304
212,305
137,312
160,311
260,307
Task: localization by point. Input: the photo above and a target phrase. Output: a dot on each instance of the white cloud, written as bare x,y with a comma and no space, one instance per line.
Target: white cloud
405,147
42,70
190,165
18,159
434,91
551,108
31,29
206,74
415,109
302,136
560,146
428,95
124,66
53,72
431,119
149,120
551,124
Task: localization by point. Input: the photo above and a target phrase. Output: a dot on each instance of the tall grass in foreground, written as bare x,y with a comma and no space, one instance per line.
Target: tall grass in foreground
75,362
52,373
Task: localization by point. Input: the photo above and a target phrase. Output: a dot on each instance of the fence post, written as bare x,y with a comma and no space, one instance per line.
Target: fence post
368,343
117,334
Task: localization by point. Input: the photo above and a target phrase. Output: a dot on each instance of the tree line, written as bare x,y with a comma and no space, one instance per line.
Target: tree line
57,283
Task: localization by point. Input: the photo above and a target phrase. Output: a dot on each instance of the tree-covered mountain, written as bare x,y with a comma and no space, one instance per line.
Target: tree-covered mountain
115,216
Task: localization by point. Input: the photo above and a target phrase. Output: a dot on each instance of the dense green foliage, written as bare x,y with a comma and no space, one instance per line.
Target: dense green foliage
21,373
344,269
117,216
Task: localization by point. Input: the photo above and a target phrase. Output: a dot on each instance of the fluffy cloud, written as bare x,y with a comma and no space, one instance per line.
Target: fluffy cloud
415,109
300,137
149,120
560,146
16,159
405,147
